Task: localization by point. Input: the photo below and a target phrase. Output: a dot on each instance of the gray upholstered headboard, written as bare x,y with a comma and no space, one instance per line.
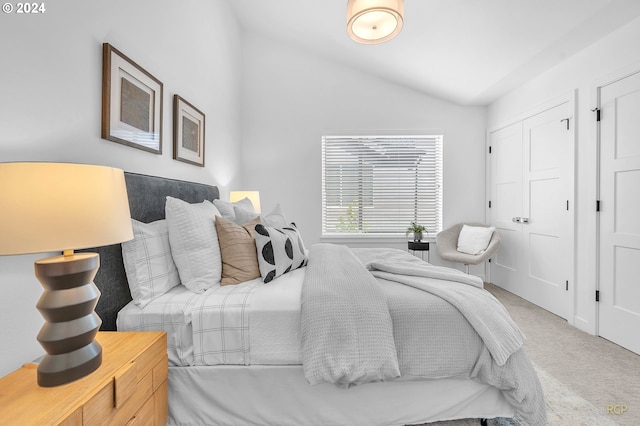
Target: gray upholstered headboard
147,195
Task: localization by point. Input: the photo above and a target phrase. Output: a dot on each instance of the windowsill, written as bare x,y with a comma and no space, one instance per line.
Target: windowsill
368,238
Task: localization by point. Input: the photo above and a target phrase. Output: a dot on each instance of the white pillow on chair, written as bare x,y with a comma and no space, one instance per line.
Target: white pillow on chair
474,239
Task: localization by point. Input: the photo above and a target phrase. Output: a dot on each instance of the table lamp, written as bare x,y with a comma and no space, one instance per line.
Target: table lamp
48,207
253,196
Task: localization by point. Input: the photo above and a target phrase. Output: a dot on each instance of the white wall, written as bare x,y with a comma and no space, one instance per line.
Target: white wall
50,108
581,72
290,99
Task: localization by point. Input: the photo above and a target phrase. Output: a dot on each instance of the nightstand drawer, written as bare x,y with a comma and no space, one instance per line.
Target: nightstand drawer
160,372
125,384
102,408
144,416
74,419
149,358
161,404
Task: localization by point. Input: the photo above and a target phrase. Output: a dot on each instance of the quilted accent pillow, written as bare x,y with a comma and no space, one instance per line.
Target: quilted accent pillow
280,250
150,269
238,249
474,239
194,243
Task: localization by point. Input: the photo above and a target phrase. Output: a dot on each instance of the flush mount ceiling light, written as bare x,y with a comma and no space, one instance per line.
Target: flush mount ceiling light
374,21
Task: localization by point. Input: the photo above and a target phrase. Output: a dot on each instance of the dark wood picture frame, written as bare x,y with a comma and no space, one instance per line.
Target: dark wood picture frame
131,102
188,132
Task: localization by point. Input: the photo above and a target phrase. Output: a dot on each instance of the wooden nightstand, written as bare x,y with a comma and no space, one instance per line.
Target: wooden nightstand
130,387
420,246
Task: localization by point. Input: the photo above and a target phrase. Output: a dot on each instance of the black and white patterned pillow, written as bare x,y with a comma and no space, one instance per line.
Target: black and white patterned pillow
280,250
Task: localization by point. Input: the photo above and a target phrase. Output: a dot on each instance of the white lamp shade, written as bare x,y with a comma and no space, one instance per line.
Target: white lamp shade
374,21
48,207
253,196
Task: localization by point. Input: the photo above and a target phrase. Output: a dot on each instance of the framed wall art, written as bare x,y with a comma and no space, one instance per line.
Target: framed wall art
131,102
188,132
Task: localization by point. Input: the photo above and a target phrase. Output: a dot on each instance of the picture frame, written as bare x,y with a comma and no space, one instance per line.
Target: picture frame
131,102
188,132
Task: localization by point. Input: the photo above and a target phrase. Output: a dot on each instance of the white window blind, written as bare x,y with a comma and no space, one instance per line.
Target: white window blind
380,184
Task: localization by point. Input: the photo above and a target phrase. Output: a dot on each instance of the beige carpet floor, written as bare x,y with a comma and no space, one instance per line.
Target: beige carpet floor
604,374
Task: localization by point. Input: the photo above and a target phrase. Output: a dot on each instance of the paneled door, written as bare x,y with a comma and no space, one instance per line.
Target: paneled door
619,280
532,197
506,203
547,221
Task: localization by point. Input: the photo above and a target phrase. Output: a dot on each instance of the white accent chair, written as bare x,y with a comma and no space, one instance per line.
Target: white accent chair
447,244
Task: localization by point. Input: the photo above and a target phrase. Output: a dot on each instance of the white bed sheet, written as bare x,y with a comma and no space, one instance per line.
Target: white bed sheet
274,317
229,395
170,312
274,321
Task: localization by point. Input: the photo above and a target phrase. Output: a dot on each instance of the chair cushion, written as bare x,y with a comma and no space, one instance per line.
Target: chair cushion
474,239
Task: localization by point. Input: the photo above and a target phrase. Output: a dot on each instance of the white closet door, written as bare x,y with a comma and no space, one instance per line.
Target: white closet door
547,256
506,203
532,208
619,281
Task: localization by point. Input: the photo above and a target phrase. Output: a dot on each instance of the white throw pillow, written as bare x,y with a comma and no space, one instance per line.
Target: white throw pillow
280,250
194,243
243,214
275,218
150,269
240,212
474,239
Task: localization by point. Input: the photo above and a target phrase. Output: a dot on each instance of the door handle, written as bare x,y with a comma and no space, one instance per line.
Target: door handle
517,220
524,220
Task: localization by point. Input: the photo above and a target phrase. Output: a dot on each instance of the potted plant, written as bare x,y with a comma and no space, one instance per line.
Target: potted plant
417,231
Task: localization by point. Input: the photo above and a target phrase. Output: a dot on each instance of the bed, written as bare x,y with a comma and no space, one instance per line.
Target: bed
259,377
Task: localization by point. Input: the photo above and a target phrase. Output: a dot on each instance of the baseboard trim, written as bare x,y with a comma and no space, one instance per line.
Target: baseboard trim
584,325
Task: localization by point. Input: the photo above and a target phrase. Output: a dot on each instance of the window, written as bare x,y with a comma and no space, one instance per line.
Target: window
380,184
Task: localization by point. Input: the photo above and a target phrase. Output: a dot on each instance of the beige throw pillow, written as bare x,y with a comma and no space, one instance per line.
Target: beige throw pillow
238,249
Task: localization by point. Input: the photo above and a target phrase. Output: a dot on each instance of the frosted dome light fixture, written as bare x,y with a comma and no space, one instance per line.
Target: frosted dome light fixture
374,21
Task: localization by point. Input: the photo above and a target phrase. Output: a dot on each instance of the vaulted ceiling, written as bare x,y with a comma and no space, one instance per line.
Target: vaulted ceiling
469,52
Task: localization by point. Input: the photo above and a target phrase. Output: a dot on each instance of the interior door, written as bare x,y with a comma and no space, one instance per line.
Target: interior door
619,249
532,196
506,203
547,249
